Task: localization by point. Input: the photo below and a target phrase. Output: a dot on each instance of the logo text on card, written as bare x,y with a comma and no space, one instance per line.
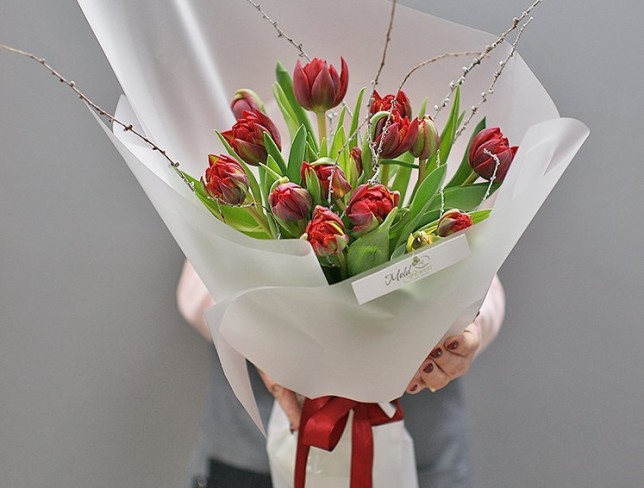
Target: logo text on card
411,269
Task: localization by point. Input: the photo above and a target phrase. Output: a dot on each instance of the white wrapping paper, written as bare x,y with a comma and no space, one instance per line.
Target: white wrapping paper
180,61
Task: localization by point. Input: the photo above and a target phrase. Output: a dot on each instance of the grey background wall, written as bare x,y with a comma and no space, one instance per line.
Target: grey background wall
101,382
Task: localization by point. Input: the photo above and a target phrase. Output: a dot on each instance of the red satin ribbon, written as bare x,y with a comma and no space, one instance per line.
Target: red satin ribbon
322,423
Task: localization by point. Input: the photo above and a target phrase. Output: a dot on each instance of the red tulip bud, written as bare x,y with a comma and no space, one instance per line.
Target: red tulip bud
399,137
452,221
402,106
245,100
225,180
325,232
369,207
323,170
487,144
290,202
318,87
356,155
427,141
246,137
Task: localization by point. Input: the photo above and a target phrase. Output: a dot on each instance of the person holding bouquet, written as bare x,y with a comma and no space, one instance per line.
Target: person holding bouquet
231,452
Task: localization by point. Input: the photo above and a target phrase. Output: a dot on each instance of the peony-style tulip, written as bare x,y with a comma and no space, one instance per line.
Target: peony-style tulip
246,137
452,221
225,180
245,100
427,140
325,232
400,135
484,146
318,87
290,202
369,207
324,170
383,104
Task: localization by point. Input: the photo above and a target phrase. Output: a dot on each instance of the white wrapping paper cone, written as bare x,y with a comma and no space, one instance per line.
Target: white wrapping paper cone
394,461
180,61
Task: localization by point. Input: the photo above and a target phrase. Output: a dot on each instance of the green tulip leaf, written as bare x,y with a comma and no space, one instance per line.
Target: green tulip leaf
355,120
464,198
340,122
423,108
372,249
296,156
422,201
287,112
340,151
273,150
464,170
398,162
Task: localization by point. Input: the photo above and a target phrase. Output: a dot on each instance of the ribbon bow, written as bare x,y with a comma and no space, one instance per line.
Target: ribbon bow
322,423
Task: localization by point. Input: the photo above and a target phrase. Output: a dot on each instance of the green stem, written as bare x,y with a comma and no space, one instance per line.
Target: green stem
341,205
342,261
422,174
321,116
384,174
470,179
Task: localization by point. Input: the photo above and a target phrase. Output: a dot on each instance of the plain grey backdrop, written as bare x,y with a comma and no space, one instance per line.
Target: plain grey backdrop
101,382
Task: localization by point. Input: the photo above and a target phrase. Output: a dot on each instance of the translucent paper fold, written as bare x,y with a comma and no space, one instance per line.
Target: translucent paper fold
180,61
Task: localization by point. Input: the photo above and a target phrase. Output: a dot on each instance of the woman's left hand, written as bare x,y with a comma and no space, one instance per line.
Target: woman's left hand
447,361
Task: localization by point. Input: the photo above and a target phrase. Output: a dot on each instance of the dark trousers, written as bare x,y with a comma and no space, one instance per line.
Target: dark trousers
225,476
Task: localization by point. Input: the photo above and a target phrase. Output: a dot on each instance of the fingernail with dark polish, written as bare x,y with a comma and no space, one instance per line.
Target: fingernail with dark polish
429,368
436,353
452,346
413,388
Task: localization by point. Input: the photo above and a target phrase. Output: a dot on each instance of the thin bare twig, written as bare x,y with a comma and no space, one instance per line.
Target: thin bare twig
280,32
482,55
100,111
497,74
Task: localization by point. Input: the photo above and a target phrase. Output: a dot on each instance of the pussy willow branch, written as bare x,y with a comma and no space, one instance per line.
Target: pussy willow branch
482,55
100,111
497,74
280,32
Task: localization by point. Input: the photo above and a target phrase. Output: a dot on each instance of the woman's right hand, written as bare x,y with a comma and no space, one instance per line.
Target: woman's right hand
290,401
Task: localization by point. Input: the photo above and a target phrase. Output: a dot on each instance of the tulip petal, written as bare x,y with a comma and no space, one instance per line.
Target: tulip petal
322,91
301,87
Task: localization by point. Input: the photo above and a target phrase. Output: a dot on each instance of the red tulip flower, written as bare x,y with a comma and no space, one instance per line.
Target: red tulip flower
383,104
290,202
325,232
487,144
398,138
369,207
225,180
246,137
452,221
318,87
245,100
323,171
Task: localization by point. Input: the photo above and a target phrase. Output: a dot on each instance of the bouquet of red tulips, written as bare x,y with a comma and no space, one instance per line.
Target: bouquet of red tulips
360,194
382,196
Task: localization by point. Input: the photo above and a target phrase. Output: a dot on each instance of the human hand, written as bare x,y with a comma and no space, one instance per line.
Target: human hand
447,361
290,401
